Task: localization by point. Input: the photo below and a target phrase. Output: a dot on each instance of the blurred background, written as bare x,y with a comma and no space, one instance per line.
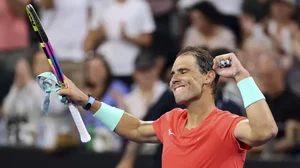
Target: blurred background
121,51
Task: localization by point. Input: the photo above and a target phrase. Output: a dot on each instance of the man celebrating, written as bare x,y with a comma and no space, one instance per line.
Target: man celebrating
201,135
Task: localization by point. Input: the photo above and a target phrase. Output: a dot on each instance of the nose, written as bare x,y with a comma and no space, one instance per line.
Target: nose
174,80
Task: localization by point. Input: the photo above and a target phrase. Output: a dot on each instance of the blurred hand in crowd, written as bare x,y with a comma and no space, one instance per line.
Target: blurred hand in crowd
125,164
119,99
23,73
40,63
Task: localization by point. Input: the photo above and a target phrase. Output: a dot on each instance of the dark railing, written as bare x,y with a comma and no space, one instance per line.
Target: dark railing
16,158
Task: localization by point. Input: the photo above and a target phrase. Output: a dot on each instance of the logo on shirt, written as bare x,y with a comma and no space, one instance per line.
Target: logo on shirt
170,132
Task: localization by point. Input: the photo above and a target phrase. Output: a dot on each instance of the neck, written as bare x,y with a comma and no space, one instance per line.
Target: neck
148,88
198,110
283,22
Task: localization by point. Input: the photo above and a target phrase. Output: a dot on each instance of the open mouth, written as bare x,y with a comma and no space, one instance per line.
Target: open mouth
177,88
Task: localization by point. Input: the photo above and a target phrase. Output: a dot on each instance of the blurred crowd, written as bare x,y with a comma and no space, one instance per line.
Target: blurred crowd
121,52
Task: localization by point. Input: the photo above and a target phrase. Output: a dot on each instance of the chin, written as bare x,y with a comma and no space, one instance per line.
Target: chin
181,101
186,99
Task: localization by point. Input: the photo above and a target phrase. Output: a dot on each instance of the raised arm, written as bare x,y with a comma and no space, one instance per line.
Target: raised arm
260,126
93,39
115,119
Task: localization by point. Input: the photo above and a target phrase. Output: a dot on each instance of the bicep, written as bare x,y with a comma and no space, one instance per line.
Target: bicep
136,130
147,132
243,133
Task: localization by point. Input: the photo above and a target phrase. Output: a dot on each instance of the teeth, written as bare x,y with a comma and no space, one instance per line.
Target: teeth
179,88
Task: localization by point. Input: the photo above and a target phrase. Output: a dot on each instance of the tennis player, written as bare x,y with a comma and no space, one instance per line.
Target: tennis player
201,135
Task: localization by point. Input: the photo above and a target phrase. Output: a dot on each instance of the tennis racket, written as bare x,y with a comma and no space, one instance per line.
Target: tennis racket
57,70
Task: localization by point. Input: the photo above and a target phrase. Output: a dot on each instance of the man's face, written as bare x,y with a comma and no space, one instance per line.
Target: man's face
187,82
146,78
199,20
269,73
281,10
95,71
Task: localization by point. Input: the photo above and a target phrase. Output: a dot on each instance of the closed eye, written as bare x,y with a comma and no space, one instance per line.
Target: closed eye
183,70
180,71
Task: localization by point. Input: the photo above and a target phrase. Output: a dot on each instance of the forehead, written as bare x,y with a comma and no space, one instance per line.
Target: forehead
185,61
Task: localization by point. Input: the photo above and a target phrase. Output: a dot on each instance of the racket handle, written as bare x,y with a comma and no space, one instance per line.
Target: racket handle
84,135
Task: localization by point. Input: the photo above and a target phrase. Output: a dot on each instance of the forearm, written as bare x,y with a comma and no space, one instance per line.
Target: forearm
143,40
18,7
92,40
127,126
291,137
283,145
130,152
262,123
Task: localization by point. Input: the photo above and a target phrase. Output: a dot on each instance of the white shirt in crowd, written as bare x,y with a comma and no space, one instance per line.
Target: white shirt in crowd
223,38
66,25
140,109
27,102
138,19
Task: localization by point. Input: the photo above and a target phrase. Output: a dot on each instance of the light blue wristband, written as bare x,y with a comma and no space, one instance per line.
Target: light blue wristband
109,116
249,91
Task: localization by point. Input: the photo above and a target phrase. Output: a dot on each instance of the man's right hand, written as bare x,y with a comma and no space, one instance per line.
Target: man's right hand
76,95
128,127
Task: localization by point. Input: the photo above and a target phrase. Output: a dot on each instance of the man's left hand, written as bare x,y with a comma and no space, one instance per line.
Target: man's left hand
236,70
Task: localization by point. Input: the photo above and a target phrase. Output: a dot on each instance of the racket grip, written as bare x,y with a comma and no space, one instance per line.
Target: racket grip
84,135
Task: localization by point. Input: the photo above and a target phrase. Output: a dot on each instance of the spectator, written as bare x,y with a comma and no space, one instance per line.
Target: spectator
100,83
125,27
66,25
282,102
259,9
14,40
165,40
57,130
206,29
282,28
22,107
253,47
154,99
250,27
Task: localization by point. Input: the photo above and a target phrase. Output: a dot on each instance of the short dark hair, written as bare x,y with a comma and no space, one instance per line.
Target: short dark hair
209,10
204,61
109,78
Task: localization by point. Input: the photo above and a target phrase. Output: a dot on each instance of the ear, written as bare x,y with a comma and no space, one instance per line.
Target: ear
210,77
